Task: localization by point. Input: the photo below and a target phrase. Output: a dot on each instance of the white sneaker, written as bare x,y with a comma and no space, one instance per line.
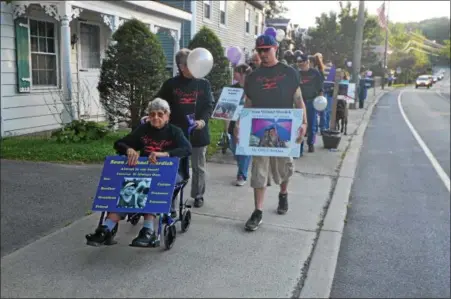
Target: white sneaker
240,182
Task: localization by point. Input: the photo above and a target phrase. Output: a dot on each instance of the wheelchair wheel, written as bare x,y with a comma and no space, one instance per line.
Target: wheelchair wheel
170,234
186,221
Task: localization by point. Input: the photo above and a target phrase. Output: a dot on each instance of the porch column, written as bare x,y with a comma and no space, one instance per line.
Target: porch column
176,36
65,14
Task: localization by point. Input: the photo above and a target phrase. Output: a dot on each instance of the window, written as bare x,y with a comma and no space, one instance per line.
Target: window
248,20
43,53
257,24
89,46
207,9
222,9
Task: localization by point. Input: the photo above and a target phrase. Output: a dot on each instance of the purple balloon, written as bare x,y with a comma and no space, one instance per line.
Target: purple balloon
271,31
234,54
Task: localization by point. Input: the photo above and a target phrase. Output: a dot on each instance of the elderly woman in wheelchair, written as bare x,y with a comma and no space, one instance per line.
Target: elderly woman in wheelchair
153,139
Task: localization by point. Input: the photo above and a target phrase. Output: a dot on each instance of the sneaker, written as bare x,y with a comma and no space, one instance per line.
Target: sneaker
311,148
240,181
254,222
102,236
198,202
282,208
146,238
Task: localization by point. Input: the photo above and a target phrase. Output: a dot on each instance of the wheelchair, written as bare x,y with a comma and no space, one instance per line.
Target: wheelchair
166,222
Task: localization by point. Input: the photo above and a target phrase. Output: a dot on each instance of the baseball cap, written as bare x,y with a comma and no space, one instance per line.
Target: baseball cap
302,58
265,41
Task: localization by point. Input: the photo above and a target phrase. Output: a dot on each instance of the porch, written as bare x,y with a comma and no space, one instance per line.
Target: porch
53,66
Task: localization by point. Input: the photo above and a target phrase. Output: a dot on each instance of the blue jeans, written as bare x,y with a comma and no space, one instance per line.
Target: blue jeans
312,119
242,162
324,116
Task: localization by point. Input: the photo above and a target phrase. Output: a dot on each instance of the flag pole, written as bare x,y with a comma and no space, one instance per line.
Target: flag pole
386,45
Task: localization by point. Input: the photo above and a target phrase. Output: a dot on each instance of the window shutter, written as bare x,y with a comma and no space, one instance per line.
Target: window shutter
23,55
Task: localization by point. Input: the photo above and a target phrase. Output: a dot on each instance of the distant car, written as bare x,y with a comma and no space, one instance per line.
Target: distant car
434,79
440,76
424,81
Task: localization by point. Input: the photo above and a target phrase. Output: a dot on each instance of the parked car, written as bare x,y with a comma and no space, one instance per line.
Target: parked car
424,81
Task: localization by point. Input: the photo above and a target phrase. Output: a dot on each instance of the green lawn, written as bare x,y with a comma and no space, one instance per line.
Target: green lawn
34,148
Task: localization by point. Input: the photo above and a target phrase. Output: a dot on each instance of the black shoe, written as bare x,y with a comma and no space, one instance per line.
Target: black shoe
311,148
102,236
146,238
198,202
282,209
254,222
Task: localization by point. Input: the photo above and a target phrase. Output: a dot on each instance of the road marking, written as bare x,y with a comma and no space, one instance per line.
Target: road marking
441,173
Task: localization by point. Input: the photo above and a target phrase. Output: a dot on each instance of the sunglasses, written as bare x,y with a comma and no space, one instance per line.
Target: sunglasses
160,114
263,50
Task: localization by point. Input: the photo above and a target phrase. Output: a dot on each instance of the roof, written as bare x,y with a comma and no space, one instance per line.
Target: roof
256,3
279,22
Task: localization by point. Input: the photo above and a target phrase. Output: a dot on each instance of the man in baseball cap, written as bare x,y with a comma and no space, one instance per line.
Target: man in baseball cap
273,85
266,46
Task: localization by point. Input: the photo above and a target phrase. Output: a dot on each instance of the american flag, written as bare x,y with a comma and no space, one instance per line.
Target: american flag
381,18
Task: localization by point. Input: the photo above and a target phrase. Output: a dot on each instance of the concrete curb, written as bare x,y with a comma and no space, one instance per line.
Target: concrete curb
321,272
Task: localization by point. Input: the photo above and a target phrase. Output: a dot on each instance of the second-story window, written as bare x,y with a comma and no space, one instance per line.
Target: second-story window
247,19
207,9
222,9
257,24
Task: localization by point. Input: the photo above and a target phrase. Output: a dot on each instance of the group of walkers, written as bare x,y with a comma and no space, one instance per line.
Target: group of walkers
185,102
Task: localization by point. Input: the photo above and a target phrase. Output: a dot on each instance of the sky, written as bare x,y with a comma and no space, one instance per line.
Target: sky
305,12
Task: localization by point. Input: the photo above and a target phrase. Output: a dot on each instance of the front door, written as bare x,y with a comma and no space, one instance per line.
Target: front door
89,62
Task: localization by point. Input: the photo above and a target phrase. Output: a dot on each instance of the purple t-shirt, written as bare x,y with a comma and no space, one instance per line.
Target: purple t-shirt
272,87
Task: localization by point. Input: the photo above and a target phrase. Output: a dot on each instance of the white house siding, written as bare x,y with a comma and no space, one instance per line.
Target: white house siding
24,113
233,33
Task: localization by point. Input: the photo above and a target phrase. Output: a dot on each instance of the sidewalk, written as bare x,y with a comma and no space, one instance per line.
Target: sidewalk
215,258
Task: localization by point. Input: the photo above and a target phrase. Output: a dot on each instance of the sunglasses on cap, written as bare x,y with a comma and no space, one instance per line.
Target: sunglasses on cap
160,114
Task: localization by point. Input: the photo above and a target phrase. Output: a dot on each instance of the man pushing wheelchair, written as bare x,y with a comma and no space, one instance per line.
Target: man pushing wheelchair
153,139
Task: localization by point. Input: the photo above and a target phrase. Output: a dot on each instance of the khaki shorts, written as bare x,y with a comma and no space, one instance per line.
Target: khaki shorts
281,168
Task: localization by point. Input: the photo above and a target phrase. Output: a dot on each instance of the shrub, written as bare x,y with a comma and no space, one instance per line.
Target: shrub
220,74
133,70
80,131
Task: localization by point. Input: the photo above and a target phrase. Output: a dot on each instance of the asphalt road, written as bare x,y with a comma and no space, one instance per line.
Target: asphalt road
396,240
39,198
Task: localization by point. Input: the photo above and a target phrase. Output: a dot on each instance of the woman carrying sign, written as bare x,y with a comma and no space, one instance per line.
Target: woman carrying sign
154,139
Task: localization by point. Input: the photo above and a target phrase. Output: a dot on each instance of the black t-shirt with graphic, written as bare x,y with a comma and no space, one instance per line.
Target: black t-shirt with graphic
187,96
272,87
147,139
311,83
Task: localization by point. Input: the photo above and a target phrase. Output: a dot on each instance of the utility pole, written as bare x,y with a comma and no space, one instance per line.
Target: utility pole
386,48
356,63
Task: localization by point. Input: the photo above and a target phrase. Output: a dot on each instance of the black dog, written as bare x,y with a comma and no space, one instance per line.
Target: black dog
341,119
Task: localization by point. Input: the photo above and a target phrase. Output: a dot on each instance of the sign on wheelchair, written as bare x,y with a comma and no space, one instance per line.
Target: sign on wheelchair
145,188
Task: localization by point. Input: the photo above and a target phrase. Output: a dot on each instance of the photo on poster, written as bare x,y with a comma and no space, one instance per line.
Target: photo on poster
269,132
134,193
230,104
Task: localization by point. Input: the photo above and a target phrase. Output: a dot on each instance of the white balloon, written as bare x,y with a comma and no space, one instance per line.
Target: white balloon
320,103
280,35
200,62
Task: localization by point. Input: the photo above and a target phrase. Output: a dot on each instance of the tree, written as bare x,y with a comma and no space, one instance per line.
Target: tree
324,36
220,74
132,71
446,51
275,9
